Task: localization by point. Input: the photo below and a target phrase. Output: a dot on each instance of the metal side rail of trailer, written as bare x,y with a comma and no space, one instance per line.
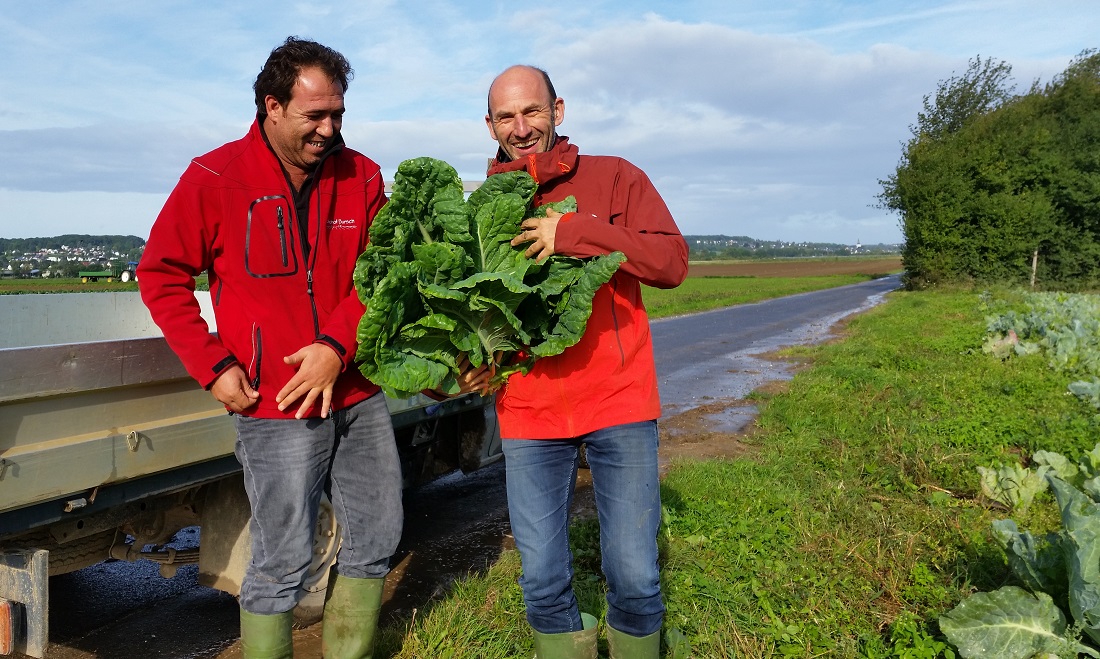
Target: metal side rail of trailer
108,448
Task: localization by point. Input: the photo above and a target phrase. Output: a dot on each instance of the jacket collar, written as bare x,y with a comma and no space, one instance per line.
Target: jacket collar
558,162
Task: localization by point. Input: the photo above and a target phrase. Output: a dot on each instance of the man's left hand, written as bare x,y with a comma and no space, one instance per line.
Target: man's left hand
540,232
318,368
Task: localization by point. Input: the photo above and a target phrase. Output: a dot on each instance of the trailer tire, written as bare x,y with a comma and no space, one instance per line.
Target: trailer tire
82,553
83,280
326,545
125,276
70,556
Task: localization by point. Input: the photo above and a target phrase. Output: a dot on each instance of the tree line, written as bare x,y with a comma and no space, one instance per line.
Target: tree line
995,186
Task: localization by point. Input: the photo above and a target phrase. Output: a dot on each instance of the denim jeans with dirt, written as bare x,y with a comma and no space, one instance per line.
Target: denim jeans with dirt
287,464
541,475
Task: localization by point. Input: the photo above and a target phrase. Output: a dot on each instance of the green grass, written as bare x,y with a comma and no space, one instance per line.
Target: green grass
855,519
72,285
28,286
701,293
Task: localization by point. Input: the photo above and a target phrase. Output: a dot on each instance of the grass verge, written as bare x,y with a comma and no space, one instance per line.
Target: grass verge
853,522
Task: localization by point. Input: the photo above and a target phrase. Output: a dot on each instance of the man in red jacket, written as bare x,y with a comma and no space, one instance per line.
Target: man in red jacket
601,393
277,219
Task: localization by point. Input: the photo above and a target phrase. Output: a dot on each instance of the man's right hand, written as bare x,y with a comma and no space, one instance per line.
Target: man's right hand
233,390
470,379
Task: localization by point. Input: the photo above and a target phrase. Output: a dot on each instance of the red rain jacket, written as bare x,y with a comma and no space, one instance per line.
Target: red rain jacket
608,378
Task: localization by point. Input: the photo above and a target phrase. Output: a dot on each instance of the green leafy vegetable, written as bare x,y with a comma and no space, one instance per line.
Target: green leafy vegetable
1009,623
1063,327
1081,546
1058,567
440,279
1038,564
1013,485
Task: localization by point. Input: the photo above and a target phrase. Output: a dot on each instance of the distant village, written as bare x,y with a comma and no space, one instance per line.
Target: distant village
67,256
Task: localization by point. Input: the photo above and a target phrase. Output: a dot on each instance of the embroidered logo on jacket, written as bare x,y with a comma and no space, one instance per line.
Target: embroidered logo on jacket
337,223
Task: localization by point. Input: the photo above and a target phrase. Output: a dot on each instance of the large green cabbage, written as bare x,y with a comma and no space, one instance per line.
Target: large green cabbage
440,279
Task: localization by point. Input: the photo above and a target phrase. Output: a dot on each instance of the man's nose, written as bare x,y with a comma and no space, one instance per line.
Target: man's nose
326,127
521,127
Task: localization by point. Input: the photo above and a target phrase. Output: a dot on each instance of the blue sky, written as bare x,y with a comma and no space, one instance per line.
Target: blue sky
765,118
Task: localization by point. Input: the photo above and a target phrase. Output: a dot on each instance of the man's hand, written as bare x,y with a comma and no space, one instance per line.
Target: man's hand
471,379
474,379
540,232
233,390
319,366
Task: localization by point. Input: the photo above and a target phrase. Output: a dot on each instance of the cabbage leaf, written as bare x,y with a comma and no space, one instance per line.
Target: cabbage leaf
1009,623
440,279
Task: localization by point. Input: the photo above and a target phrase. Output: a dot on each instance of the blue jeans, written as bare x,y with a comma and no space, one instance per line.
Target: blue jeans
287,464
541,475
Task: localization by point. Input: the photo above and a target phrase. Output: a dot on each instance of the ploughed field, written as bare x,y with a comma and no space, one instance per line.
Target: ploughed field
848,265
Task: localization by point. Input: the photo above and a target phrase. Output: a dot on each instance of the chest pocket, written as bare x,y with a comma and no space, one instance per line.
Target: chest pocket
269,239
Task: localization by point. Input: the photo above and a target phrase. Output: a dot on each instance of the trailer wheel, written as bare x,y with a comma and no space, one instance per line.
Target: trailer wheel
83,280
125,276
82,553
70,556
326,545
110,280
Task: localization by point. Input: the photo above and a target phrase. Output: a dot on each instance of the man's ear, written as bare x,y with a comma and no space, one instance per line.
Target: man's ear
559,110
272,105
489,124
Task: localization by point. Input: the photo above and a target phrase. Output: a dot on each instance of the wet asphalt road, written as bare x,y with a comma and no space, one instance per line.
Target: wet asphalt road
455,526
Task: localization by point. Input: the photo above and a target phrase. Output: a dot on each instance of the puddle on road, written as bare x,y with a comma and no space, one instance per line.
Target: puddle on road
713,424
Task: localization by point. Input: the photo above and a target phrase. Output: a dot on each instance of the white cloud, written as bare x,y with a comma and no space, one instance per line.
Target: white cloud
761,118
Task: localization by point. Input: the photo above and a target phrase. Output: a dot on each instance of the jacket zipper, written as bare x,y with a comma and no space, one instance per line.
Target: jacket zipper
303,236
282,233
532,169
615,322
312,301
314,248
257,355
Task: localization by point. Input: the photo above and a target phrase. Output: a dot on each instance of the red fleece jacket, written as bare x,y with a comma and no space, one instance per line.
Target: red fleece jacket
232,215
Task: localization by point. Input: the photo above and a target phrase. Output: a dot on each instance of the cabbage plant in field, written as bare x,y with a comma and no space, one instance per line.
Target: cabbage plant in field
440,280
1060,568
1065,328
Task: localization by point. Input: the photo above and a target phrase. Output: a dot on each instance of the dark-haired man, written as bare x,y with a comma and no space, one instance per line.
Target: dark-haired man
601,393
277,219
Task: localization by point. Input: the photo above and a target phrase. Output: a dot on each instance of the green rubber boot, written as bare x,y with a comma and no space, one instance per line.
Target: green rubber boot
351,617
568,645
266,636
625,646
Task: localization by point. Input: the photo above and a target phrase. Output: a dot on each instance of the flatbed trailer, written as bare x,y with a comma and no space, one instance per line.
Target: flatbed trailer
108,449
